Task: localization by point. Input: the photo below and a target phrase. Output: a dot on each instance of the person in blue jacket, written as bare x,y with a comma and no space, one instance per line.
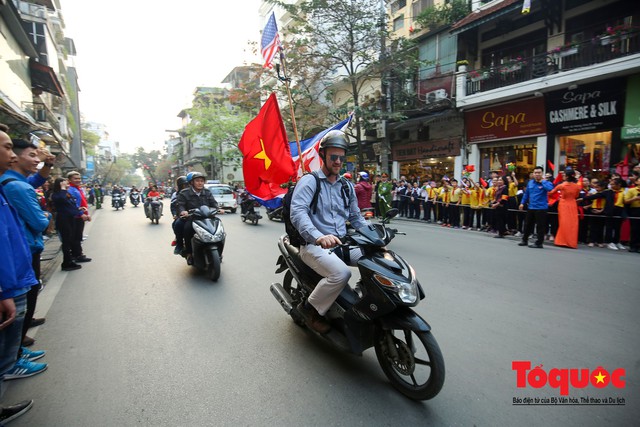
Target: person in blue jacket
16,278
535,197
34,220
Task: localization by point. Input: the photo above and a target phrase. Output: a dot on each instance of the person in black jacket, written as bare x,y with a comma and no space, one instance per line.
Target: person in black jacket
66,211
192,197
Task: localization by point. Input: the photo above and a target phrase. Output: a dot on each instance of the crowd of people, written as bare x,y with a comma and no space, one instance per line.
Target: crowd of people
567,209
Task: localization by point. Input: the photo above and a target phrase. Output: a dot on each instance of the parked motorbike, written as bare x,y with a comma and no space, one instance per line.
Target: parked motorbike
378,315
250,211
153,209
208,241
134,196
117,201
275,214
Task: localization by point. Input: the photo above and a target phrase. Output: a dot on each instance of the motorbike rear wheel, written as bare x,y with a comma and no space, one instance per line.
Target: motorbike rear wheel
255,221
213,267
414,367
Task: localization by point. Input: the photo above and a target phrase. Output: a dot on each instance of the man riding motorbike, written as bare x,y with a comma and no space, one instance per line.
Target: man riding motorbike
153,192
192,197
181,184
322,231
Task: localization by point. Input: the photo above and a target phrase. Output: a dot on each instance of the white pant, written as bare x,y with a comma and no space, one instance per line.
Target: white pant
335,272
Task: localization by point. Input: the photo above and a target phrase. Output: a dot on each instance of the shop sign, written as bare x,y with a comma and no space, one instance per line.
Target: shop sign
506,121
427,149
590,107
631,128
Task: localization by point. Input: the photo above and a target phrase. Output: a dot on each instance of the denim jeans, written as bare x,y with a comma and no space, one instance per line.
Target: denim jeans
11,336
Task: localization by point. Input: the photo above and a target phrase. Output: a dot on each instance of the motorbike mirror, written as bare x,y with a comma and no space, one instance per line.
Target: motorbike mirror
391,213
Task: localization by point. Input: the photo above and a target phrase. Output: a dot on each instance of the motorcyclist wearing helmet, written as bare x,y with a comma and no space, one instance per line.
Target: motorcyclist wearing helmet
364,189
181,183
192,197
323,229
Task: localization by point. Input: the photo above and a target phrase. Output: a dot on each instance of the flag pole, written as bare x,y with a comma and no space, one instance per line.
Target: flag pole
284,78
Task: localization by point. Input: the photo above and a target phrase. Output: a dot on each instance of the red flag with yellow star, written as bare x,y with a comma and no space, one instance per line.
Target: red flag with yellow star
267,161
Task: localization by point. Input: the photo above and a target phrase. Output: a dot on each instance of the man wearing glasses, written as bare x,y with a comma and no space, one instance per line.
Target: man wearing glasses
321,230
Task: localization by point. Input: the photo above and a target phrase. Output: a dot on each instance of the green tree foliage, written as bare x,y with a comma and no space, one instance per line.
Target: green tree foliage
219,127
90,141
343,41
444,14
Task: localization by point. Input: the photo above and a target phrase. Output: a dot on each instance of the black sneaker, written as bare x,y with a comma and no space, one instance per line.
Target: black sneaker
523,243
82,258
177,250
10,413
535,246
71,267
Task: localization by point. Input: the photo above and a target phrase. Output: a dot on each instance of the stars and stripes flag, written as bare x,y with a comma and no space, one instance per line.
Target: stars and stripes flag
310,148
270,43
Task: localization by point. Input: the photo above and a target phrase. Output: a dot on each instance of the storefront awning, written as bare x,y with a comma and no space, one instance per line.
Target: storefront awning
479,17
11,115
44,78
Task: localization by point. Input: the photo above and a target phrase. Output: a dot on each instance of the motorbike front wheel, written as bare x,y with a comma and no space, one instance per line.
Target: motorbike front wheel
412,361
213,267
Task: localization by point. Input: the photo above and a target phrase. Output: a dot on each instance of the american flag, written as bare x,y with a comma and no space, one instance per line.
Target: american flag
310,148
270,41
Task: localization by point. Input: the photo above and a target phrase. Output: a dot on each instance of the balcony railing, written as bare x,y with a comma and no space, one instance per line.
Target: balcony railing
598,50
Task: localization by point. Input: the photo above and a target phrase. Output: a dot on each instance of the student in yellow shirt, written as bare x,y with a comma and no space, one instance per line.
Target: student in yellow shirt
465,203
632,200
512,203
476,198
430,196
454,204
443,197
487,211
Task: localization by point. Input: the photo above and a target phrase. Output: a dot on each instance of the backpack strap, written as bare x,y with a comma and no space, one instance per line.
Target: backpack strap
8,180
346,192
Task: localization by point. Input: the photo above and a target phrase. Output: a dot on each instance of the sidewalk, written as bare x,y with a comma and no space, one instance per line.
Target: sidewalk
51,257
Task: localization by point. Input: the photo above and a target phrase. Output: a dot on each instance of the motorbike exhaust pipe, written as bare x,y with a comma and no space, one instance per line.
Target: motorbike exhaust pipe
282,296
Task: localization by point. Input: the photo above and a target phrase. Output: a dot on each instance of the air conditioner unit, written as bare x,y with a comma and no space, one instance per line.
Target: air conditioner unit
435,95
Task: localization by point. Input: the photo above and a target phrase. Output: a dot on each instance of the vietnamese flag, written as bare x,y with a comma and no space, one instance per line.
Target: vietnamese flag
267,161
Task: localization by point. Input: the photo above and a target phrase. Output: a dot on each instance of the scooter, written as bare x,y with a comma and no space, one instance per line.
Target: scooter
153,209
250,211
117,201
208,241
377,315
134,196
275,214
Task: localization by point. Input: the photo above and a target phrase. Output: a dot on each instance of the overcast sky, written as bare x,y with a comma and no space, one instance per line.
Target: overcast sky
139,61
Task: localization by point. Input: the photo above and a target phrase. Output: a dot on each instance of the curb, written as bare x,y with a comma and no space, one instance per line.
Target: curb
51,256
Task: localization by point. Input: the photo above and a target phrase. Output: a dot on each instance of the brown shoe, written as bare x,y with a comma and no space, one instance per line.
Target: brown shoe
313,319
28,341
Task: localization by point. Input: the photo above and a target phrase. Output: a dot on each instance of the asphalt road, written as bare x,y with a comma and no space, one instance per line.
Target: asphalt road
139,338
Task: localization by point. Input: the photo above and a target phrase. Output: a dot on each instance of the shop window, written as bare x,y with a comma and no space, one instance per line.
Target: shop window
522,156
431,169
588,153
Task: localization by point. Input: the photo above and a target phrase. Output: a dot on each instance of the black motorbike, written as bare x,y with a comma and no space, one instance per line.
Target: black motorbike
207,242
250,211
275,214
117,201
153,209
134,196
378,314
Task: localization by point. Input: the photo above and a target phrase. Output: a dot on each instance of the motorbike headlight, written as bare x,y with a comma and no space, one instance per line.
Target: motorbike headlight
406,291
219,234
203,234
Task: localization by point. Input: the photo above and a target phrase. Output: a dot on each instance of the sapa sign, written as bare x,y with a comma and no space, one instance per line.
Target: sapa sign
588,108
506,121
